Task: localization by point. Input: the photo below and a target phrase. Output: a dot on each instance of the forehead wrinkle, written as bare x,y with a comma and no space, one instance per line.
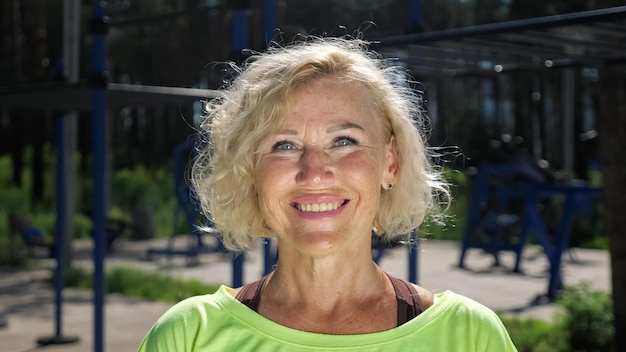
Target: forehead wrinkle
343,126
289,132
331,129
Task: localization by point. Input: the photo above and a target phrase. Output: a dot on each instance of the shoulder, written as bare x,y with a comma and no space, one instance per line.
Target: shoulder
464,307
453,302
179,326
480,324
463,303
407,291
427,298
189,312
200,308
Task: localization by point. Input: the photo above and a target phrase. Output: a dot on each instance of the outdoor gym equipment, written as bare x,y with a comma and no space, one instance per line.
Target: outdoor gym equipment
189,210
507,207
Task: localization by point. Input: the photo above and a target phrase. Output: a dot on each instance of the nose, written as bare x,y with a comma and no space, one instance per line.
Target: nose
315,167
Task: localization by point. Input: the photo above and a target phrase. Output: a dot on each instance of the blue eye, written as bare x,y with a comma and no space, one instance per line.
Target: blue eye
345,141
283,146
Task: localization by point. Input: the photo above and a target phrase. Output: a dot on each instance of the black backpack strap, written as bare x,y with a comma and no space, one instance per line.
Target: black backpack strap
250,294
411,302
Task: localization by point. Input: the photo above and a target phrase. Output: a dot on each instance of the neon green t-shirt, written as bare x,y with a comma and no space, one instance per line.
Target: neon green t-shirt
218,322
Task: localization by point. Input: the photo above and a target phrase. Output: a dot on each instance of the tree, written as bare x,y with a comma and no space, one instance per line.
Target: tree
612,123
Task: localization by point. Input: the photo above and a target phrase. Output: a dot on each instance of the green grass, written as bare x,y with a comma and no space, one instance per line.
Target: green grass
141,284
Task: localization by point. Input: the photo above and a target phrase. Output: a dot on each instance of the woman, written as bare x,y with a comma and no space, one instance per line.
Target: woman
316,144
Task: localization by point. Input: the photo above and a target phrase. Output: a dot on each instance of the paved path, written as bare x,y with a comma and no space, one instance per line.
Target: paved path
26,298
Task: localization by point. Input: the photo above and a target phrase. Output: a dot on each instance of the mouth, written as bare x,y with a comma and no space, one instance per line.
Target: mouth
319,207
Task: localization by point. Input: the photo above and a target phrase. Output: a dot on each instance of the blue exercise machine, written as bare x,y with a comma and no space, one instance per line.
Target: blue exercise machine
495,220
186,205
508,205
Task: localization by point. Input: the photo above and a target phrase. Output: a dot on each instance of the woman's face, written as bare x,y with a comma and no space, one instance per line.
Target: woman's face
319,177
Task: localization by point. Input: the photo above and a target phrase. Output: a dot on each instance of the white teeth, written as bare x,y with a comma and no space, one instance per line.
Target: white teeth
318,207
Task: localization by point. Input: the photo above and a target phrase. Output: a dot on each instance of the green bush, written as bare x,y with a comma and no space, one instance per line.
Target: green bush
585,324
588,230
130,188
12,199
77,277
138,188
13,254
456,213
17,200
587,318
83,226
533,335
141,284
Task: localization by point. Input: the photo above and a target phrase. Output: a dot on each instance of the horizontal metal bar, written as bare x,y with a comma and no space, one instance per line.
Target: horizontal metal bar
575,18
77,97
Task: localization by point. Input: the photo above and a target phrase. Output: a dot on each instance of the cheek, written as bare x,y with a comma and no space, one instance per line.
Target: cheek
268,171
364,167
271,177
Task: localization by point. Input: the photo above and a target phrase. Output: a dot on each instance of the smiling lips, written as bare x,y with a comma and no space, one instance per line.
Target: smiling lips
318,207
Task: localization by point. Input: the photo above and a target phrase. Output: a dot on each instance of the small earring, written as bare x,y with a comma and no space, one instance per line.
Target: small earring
389,185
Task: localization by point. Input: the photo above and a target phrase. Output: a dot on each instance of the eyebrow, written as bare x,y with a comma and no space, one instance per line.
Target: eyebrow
331,129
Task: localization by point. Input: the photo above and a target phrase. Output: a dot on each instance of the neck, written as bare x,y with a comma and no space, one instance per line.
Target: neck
347,296
327,282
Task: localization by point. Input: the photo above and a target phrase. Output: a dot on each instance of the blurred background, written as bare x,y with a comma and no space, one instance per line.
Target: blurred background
550,115
520,96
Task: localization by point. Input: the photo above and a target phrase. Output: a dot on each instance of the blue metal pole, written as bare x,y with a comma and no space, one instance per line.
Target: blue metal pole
269,19
239,40
269,260
415,18
555,283
60,223
415,13
413,257
238,261
60,228
239,34
99,21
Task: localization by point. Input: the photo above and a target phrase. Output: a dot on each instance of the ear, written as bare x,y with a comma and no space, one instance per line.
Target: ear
391,165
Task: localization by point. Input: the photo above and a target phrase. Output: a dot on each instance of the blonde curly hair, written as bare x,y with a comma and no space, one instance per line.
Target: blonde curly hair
253,107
